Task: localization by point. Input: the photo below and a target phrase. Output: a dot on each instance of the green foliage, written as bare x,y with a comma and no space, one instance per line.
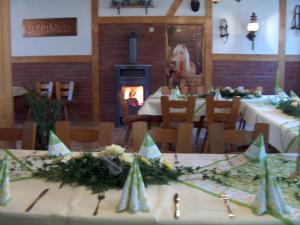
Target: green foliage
288,107
94,172
45,112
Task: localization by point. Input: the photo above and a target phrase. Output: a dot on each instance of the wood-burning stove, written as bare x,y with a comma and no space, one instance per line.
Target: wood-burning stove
135,81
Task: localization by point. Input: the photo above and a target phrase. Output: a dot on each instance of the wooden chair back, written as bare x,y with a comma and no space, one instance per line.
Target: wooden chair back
226,112
103,134
64,91
187,115
219,137
165,90
44,88
181,137
27,134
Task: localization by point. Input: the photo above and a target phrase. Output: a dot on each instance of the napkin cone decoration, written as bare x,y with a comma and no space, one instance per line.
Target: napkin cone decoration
5,194
56,147
149,149
282,94
218,96
134,197
176,93
268,196
294,96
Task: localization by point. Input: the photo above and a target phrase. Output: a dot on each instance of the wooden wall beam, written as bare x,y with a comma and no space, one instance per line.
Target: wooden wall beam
152,19
174,8
45,59
244,57
208,45
281,45
6,99
95,63
292,58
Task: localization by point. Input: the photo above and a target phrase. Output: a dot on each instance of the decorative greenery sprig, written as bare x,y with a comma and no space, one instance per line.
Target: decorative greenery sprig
45,112
290,107
94,172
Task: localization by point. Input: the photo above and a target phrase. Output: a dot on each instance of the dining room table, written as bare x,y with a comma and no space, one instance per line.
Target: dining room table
75,204
283,131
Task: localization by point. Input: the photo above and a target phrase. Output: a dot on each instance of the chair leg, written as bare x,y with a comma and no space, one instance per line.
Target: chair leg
66,112
204,148
197,135
126,136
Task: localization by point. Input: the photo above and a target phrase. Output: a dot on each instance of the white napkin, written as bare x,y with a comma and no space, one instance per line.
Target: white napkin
5,194
56,147
149,149
134,197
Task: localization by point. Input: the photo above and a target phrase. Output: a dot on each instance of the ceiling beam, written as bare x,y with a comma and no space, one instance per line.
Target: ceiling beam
174,8
95,63
152,19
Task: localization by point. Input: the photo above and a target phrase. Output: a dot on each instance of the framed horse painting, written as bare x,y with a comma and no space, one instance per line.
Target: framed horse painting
184,52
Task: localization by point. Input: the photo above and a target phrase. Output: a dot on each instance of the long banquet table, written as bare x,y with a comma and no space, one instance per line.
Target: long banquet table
283,128
75,205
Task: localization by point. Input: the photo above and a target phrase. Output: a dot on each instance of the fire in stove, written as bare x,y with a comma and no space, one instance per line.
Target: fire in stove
134,94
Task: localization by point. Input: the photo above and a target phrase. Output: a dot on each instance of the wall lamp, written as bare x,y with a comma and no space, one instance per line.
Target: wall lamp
224,30
252,28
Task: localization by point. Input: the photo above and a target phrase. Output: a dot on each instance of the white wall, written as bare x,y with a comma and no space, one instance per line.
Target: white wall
161,8
39,46
292,38
238,16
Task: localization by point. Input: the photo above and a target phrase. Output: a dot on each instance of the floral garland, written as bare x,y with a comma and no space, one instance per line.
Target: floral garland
109,170
229,92
290,107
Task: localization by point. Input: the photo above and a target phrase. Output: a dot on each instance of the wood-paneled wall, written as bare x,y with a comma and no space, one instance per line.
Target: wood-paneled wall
6,99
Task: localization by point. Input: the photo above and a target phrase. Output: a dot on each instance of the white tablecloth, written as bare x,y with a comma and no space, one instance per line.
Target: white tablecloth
75,205
283,128
281,133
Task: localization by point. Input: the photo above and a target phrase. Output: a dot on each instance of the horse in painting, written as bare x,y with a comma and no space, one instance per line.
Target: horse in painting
181,64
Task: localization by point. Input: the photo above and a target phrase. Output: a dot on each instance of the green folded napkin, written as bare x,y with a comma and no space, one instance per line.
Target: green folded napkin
218,96
5,194
268,196
282,93
175,93
134,197
294,96
56,146
149,149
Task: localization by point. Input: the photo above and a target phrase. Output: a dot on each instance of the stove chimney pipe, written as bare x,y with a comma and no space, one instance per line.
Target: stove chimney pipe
133,39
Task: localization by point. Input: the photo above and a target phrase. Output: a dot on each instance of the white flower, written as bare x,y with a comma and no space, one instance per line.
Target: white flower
112,150
127,158
295,104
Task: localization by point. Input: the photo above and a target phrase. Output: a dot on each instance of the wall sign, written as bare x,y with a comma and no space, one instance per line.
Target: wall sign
50,27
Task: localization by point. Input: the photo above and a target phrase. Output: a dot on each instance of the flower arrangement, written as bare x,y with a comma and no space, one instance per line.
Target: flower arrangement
109,169
290,107
229,92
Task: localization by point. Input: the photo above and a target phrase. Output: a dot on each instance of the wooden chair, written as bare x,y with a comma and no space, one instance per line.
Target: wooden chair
128,119
27,134
181,137
168,116
219,137
225,112
44,88
103,135
64,92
